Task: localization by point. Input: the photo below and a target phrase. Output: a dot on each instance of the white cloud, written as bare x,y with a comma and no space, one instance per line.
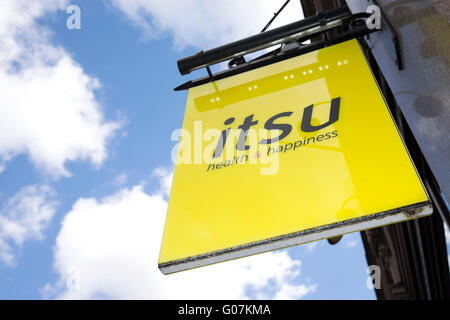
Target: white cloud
447,234
447,240
109,248
121,179
24,217
205,23
311,246
165,180
48,109
351,243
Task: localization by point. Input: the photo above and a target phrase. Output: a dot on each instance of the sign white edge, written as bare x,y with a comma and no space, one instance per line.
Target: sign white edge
358,224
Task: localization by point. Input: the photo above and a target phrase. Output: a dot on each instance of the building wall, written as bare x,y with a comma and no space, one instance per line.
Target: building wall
422,88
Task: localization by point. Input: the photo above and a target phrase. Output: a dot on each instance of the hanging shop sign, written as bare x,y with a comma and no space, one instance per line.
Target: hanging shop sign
296,151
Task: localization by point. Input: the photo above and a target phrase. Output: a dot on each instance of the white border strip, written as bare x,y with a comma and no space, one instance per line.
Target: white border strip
349,226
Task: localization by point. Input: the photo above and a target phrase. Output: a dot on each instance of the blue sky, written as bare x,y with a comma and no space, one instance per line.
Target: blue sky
86,164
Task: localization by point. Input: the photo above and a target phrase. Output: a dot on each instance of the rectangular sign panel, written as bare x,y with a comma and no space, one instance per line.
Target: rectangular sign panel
297,151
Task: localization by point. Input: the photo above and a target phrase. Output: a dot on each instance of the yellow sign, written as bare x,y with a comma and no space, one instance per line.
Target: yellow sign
293,152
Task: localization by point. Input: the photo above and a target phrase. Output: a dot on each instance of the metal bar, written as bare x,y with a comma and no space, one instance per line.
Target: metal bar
395,38
312,25
275,15
270,59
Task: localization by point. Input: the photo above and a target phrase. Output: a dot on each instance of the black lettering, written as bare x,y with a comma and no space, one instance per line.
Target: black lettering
223,139
248,122
297,144
286,148
307,116
269,125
